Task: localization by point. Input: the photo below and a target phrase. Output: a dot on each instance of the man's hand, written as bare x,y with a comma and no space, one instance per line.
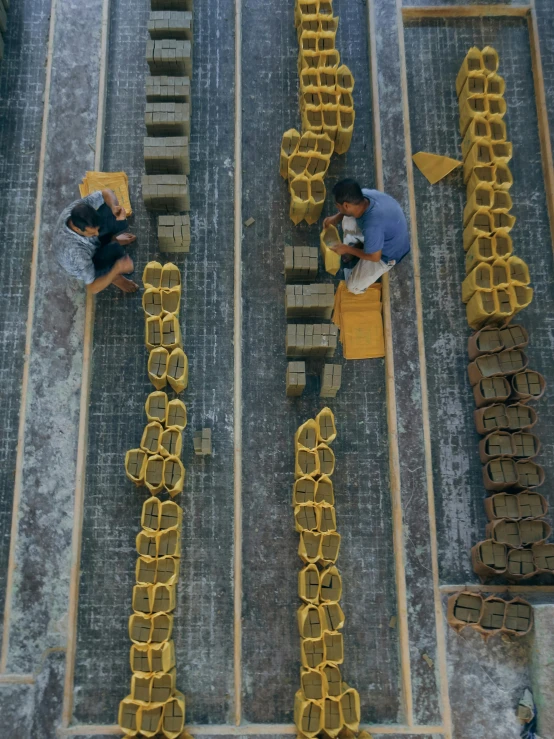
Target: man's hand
341,248
333,220
119,212
124,265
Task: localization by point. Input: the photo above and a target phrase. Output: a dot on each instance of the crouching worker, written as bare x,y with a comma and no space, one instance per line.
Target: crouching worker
90,239
374,231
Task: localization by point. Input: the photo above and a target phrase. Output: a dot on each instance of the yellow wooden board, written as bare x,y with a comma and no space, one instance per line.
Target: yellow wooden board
360,320
116,181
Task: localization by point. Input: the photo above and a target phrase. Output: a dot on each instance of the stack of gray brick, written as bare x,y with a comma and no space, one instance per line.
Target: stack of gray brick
167,119
300,263
311,340
167,155
331,377
202,441
174,234
296,378
309,301
166,192
164,24
166,89
169,56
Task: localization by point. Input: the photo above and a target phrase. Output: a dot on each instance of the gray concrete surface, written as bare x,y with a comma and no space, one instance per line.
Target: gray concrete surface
542,669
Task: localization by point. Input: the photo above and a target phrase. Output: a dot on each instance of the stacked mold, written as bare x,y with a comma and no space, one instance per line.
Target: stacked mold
326,110
324,705
503,387
496,286
165,186
154,707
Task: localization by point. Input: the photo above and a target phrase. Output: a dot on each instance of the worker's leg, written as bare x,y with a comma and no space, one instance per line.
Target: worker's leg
364,274
106,256
110,227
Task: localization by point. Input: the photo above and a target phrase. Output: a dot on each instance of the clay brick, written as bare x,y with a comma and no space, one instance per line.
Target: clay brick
166,155
296,378
167,119
309,301
202,442
331,378
168,89
169,193
301,263
311,340
174,234
169,56
170,24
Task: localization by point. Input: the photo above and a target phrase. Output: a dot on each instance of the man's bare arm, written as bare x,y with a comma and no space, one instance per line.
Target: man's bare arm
346,249
123,265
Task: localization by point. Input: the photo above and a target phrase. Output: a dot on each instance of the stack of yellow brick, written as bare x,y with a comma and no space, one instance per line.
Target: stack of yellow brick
326,109
324,705
497,283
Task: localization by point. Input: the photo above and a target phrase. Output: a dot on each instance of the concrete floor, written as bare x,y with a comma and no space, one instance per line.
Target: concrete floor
388,561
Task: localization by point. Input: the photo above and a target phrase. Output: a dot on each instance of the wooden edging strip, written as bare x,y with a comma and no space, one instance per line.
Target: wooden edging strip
464,11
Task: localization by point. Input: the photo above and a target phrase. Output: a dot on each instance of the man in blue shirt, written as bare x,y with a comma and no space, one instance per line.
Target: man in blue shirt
375,233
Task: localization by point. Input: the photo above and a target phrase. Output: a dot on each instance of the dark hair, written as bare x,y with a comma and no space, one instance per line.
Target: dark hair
84,216
348,191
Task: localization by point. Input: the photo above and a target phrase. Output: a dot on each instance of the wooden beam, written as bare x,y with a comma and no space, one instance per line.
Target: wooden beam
479,588
464,11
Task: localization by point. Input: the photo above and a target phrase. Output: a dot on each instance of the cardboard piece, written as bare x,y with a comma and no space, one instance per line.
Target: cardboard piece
519,271
504,531
520,564
174,716
500,474
116,181
482,196
309,621
502,505
480,224
434,167
327,238
157,367
312,652
520,296
151,436
331,378
473,106
485,341
472,64
479,129
483,175
316,200
480,155
306,435
496,105
171,300
497,444
147,544
152,302
330,546
145,571
330,588
128,716
528,385
492,617
313,684
309,546
479,279
307,517
163,686
491,390
324,491
156,406
489,558
289,146
481,307
295,378
308,715
333,678
139,657
150,720
526,445
162,657
502,244
350,709
140,629
328,520
520,416
171,443
153,473
153,332
150,516
303,491
492,418
334,647
486,365
518,619
529,474
514,336
531,505
171,334
308,584
326,460
500,273
171,516
543,557
168,543
345,128
142,599
176,414
332,721
173,475
177,368
135,465
152,275
299,200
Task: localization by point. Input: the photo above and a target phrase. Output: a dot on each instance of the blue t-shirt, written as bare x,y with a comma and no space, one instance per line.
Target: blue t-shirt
384,227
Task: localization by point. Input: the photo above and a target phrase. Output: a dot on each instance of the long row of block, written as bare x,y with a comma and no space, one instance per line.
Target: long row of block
326,110
516,535
497,282
489,616
324,705
165,186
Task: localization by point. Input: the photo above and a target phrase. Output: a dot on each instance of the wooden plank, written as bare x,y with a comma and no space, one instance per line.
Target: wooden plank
464,11
477,588
542,116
